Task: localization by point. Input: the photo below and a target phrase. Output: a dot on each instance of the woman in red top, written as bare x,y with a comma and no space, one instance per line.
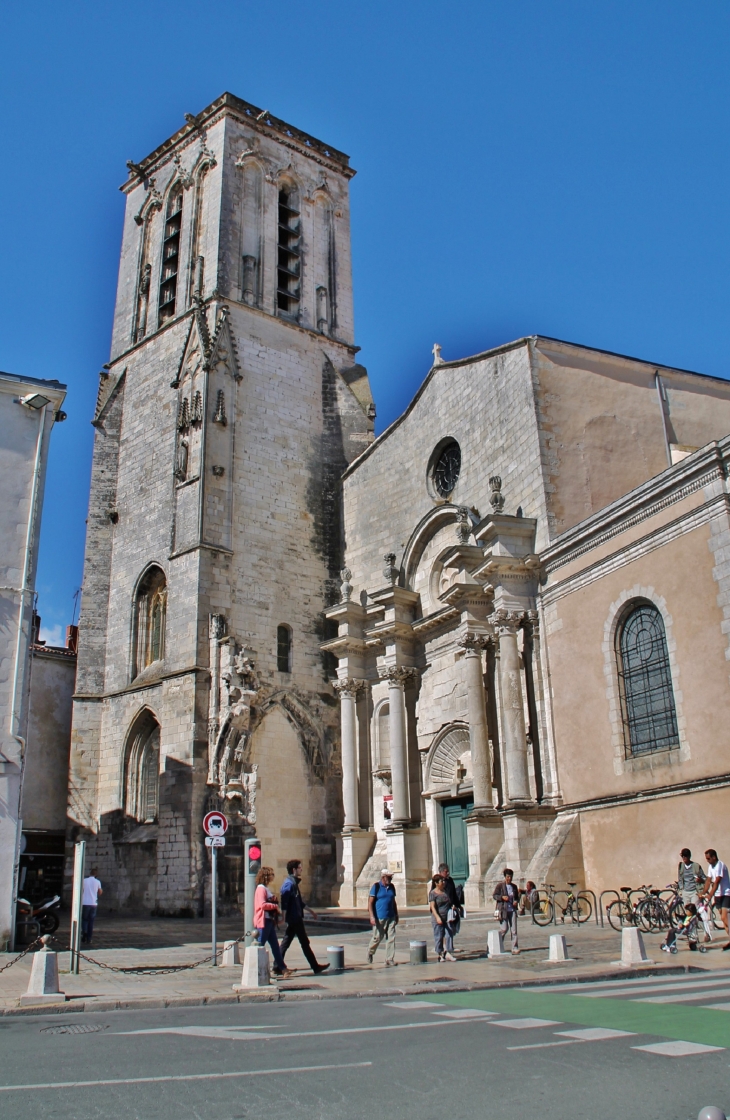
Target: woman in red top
265,915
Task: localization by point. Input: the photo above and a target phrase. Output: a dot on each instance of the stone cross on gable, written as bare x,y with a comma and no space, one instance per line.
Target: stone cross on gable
437,359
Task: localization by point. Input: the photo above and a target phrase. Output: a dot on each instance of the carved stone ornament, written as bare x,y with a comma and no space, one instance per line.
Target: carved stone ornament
463,524
506,622
496,498
471,642
404,676
348,686
390,571
345,586
220,409
234,695
218,471
181,467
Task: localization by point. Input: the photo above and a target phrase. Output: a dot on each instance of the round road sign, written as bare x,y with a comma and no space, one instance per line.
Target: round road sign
215,824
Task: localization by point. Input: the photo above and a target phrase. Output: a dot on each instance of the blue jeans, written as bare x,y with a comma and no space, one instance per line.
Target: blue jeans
88,914
267,935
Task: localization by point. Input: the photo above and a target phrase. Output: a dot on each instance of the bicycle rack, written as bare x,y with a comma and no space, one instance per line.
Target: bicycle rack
616,898
595,904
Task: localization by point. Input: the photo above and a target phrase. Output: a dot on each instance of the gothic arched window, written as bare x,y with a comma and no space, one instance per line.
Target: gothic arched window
283,649
645,682
170,255
288,275
143,771
150,609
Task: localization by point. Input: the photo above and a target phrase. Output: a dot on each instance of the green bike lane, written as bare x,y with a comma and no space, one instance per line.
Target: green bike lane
670,1021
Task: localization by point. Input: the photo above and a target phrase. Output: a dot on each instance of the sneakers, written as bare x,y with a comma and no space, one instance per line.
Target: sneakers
442,958
320,968
284,975
449,957
515,952
391,964
370,958
666,949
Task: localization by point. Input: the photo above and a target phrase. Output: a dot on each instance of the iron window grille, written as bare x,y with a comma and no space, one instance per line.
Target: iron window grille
283,649
447,469
170,257
645,683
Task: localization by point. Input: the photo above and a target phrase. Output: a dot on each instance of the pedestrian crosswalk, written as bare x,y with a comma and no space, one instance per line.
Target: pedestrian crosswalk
692,988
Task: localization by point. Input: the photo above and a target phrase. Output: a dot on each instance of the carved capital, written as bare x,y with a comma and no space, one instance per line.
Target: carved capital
472,643
506,622
399,676
348,686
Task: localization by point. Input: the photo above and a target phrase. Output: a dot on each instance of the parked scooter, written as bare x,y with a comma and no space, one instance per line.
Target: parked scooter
32,921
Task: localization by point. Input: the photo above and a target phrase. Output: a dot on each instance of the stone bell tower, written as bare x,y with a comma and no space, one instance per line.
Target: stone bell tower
231,405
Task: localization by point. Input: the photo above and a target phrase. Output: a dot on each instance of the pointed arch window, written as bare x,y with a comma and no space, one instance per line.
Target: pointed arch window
645,682
150,611
142,785
289,270
170,255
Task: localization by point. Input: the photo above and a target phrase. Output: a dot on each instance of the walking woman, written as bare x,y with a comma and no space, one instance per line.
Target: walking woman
443,930
265,913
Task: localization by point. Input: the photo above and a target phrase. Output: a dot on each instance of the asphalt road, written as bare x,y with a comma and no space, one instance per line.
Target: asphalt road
561,1053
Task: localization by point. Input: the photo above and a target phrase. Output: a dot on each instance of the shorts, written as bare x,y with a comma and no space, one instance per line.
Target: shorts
722,903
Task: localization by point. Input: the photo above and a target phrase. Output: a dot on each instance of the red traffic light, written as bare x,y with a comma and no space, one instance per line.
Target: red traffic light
254,852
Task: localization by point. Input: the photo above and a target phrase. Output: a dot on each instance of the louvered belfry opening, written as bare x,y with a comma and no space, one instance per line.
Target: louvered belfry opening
288,274
170,257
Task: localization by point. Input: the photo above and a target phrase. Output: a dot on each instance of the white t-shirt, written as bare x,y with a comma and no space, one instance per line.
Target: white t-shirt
719,871
92,887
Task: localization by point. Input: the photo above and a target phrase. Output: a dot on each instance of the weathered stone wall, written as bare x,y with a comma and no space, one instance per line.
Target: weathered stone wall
45,780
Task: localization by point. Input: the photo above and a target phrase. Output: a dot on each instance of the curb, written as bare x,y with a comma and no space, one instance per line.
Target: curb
425,987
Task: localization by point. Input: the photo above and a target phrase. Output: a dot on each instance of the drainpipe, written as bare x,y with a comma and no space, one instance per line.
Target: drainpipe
662,398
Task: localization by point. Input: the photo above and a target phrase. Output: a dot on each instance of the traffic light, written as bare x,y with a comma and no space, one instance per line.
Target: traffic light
253,856
251,867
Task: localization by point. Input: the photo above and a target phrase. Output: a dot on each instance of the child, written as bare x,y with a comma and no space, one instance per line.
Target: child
688,928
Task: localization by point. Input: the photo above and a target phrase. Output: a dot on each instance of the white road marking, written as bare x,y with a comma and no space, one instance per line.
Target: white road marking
524,1024
678,998
656,986
225,1032
178,1077
609,985
595,1034
406,1004
677,1049
716,1006
466,1013
543,1045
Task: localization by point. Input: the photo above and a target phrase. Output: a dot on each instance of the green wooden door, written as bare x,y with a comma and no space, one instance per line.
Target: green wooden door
456,852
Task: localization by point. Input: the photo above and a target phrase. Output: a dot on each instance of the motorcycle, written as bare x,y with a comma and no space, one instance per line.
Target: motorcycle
39,919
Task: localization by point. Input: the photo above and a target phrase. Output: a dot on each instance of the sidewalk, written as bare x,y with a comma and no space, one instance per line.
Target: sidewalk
163,943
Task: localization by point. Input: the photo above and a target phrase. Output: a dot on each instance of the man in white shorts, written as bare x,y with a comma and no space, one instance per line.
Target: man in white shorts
717,889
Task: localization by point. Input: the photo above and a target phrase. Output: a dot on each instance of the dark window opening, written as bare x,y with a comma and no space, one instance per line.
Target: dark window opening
170,257
447,469
288,273
283,649
645,683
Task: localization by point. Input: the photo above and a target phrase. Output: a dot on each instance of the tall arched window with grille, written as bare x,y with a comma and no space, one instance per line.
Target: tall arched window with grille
645,681
289,265
150,610
142,784
283,648
170,254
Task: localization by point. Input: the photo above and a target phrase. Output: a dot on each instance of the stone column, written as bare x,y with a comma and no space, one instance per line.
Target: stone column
347,689
398,678
513,712
478,731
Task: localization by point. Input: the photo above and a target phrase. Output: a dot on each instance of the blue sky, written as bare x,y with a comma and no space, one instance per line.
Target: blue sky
557,168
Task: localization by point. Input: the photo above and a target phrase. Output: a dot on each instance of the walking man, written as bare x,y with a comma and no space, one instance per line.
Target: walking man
91,889
293,907
383,910
506,897
717,888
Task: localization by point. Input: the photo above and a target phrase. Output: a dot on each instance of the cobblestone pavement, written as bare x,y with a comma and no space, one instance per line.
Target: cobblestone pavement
160,943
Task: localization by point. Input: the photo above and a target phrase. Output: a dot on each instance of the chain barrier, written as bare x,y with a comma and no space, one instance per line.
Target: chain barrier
21,955
141,970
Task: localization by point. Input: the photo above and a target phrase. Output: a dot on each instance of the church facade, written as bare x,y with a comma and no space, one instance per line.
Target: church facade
538,675
496,634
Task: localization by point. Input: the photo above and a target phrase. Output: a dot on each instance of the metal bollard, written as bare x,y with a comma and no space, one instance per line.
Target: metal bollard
419,954
711,1112
336,957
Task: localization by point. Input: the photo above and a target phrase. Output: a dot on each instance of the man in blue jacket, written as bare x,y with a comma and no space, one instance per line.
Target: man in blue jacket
293,907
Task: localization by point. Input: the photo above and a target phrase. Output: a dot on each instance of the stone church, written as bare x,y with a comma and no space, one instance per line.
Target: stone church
497,633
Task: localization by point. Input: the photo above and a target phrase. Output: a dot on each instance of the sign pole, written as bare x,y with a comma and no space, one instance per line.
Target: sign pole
214,893
76,901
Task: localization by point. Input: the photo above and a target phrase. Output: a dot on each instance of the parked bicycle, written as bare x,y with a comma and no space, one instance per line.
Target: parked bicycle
549,903
622,912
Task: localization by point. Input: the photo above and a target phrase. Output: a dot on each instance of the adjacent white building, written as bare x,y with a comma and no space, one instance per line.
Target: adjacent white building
29,407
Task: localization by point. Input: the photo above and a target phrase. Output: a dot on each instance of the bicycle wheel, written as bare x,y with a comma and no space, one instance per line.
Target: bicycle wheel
677,913
542,910
650,915
583,908
619,914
